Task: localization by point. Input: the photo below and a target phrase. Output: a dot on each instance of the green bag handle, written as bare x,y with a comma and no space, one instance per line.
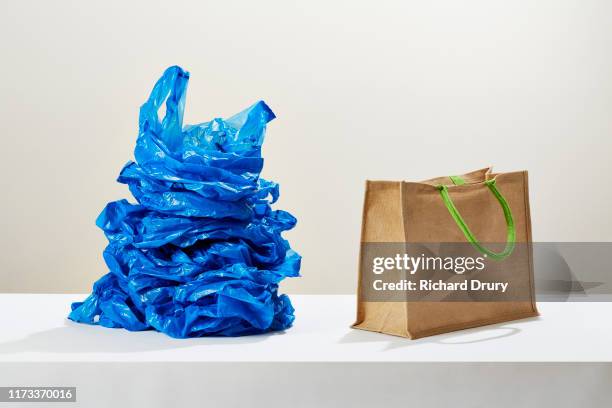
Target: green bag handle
511,234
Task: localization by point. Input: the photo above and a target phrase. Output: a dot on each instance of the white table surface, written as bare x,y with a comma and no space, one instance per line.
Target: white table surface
34,328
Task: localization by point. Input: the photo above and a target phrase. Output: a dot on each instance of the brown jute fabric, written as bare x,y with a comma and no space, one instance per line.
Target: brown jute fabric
398,211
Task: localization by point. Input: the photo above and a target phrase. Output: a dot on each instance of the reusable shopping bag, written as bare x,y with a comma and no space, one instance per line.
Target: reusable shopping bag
474,209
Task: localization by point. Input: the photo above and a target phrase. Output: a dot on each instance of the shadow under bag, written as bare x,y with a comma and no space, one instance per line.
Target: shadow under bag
475,209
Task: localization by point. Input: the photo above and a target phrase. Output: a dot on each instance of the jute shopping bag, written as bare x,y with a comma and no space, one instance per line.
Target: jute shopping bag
475,208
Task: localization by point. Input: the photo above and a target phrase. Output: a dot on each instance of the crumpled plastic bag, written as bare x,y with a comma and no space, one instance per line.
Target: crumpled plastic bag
201,254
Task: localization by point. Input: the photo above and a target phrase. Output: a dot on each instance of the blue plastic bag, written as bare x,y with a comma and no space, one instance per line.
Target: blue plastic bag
201,253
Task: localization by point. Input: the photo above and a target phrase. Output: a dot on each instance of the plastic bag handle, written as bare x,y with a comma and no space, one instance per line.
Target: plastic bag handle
511,230
171,88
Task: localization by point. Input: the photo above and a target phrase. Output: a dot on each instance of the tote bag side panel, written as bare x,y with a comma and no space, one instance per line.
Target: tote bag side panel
528,239
381,222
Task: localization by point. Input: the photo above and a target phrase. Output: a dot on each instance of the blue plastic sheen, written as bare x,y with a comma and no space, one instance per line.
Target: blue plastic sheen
201,253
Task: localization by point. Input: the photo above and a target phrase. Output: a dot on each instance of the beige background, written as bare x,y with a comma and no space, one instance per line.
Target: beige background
362,89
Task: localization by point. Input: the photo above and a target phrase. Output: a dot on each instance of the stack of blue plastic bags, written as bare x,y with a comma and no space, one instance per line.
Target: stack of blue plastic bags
201,254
